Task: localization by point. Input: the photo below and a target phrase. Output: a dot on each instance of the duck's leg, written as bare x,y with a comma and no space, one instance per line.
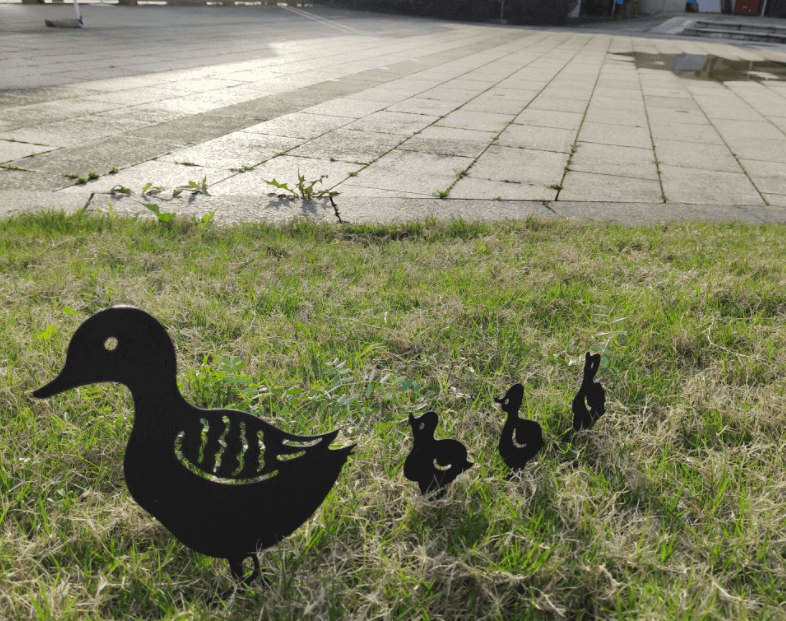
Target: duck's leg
236,565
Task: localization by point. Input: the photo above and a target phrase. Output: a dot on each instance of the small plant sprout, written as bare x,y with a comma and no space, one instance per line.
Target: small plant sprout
304,190
605,346
93,175
113,170
162,216
199,187
443,194
555,186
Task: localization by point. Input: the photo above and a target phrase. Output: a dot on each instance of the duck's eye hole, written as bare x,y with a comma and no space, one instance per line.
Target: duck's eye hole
422,426
110,343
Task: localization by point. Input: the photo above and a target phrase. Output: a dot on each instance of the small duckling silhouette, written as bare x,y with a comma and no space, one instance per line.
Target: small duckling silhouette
199,471
419,465
594,394
521,439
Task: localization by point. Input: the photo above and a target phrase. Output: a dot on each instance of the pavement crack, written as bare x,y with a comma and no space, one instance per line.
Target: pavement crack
548,206
335,209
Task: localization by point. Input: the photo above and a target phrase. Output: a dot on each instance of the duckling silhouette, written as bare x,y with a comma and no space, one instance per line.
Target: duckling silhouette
521,439
419,465
212,493
594,394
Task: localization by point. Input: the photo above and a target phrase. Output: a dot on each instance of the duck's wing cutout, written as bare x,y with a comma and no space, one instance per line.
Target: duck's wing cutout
236,446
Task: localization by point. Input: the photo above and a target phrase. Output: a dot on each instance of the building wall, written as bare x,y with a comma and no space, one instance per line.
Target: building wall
653,7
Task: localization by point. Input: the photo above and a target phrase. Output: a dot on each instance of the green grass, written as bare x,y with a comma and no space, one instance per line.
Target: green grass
671,507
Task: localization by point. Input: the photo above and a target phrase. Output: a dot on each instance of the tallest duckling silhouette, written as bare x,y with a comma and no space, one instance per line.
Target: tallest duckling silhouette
226,504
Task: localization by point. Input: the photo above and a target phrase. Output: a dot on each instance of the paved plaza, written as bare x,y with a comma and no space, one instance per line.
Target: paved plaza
407,117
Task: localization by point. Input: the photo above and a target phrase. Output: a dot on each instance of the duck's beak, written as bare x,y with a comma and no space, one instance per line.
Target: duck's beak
64,381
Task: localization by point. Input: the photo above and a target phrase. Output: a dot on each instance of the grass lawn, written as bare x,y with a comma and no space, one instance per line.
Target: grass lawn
672,507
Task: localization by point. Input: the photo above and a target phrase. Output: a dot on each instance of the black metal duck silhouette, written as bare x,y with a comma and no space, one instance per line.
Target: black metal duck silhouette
594,394
521,438
212,493
450,455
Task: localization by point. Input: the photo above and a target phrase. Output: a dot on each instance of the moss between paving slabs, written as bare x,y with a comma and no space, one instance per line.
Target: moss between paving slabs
672,507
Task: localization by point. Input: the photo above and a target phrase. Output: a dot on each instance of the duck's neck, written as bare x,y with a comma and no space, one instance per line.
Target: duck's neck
159,408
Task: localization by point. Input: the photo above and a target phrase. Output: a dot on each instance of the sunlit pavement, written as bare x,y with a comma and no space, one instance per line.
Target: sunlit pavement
407,117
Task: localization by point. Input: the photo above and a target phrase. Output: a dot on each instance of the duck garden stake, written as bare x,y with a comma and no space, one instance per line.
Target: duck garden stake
450,455
594,394
213,492
521,439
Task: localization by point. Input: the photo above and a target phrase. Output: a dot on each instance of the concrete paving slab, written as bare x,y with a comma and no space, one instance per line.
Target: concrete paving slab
630,118
734,129
418,105
483,104
558,104
24,180
442,93
284,169
164,174
352,191
707,187
470,119
17,150
398,123
612,105
638,213
354,108
137,96
770,185
31,96
482,189
238,208
621,135
449,141
233,151
687,133
671,103
538,138
100,156
50,111
594,187
757,168
396,180
779,122
72,132
759,149
360,210
549,118
520,165
776,200
697,155
614,160
17,201
192,129
299,125
348,145
677,116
